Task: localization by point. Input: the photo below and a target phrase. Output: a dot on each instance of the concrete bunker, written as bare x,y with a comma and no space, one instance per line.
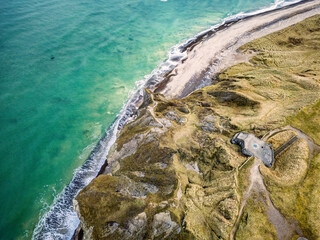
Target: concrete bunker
253,146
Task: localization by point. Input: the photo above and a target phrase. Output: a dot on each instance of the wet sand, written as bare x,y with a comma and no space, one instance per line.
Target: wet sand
217,50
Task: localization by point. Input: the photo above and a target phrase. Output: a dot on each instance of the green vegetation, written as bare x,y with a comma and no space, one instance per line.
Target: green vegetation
290,167
283,77
173,172
308,121
300,201
187,168
294,188
101,208
281,138
244,175
254,223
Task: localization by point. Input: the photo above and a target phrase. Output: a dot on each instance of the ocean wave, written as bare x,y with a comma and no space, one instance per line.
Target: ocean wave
60,221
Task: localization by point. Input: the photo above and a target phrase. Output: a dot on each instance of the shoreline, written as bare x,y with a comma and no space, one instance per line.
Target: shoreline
198,68
174,172
304,9
98,157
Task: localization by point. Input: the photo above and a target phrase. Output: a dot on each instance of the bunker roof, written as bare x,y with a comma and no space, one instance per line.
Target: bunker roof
253,146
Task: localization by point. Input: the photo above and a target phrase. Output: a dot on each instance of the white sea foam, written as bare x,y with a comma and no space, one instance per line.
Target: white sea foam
60,221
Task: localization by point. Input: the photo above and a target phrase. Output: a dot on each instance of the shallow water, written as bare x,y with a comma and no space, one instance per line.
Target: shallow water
66,68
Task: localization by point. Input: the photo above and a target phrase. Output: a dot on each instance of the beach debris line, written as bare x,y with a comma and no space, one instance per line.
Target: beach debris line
253,146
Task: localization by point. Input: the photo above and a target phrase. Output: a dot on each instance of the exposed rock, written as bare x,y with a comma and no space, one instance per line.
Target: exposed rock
163,226
135,229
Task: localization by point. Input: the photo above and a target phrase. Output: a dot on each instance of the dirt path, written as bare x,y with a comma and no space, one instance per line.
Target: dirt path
313,147
284,229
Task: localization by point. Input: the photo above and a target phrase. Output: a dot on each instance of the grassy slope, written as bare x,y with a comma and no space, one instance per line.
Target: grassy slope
300,201
254,223
255,97
285,75
308,120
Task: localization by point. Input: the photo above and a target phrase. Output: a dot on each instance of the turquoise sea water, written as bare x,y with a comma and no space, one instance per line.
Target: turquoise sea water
66,68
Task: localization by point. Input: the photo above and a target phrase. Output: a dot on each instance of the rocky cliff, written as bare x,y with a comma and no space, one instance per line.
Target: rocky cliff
173,173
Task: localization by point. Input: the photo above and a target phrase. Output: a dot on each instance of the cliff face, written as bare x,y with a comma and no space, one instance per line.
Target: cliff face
173,172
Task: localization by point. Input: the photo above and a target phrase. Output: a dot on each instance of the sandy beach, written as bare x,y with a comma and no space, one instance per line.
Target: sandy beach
213,54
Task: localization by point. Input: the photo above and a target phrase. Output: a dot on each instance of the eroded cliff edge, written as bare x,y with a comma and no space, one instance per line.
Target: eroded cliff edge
173,172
